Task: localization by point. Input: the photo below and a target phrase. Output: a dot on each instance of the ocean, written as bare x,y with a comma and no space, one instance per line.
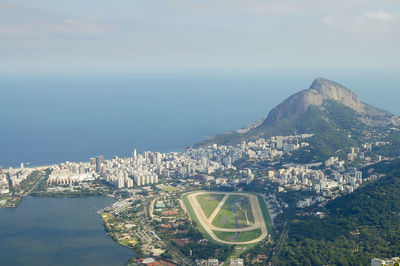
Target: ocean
48,119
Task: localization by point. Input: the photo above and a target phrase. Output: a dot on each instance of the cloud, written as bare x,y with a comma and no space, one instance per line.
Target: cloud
366,22
210,33
238,7
19,20
272,7
379,15
66,27
80,26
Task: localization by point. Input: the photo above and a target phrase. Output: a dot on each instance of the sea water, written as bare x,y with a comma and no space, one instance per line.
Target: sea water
48,119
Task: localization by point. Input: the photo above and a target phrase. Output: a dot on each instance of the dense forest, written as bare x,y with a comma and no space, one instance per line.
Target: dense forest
358,227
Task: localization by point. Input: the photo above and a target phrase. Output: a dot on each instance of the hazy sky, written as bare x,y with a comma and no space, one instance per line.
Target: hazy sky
99,35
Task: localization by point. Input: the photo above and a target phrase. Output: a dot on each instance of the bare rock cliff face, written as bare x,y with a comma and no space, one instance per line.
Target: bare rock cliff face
320,90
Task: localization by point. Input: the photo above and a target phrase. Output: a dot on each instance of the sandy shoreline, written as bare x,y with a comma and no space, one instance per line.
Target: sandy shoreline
38,168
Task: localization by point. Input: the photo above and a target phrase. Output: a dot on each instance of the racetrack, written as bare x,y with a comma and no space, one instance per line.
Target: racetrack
206,223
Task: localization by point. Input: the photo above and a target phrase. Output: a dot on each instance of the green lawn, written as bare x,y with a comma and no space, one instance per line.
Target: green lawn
193,216
243,236
225,219
27,184
241,211
265,212
209,202
248,235
227,236
168,188
127,242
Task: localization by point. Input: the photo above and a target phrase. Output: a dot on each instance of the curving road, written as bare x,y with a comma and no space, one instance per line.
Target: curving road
207,222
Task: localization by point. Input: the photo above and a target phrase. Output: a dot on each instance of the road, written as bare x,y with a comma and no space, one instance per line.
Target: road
151,209
37,183
147,235
217,209
207,222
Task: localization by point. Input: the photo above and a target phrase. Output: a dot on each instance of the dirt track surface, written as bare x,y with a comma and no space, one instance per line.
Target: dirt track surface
207,223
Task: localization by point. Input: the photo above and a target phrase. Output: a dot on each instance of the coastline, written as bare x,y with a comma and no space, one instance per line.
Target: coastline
33,168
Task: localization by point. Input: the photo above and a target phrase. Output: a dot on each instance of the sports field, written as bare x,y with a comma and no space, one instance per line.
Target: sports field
228,217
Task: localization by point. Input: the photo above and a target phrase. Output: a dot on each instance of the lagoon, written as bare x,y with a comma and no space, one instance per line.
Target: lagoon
58,231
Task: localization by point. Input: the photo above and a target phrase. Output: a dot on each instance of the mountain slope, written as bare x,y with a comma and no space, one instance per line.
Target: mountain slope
321,90
327,109
359,226
332,123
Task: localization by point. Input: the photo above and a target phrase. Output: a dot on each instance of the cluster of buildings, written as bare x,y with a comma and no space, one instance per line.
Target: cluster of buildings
145,169
69,173
18,175
215,262
364,150
272,148
380,262
209,262
125,172
300,177
245,176
4,186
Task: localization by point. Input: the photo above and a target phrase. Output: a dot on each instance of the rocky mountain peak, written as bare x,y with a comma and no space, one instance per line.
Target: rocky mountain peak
320,90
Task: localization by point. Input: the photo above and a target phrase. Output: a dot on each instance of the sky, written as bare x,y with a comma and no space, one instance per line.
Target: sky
189,35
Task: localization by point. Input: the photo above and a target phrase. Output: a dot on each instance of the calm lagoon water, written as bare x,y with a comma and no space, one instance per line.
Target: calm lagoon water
58,231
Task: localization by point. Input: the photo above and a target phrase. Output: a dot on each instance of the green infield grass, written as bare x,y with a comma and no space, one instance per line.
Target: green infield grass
225,218
209,202
244,212
243,236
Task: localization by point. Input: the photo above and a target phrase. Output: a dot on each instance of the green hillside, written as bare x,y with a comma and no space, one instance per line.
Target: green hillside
331,123
359,226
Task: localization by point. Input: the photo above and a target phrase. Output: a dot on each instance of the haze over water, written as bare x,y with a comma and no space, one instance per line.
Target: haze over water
50,119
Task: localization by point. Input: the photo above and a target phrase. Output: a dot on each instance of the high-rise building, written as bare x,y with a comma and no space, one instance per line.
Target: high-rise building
1,170
358,175
22,166
204,162
279,142
92,162
153,158
128,182
159,158
121,182
134,154
138,180
99,164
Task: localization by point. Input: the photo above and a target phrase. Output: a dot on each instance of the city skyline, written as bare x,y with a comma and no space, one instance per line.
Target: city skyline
212,132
